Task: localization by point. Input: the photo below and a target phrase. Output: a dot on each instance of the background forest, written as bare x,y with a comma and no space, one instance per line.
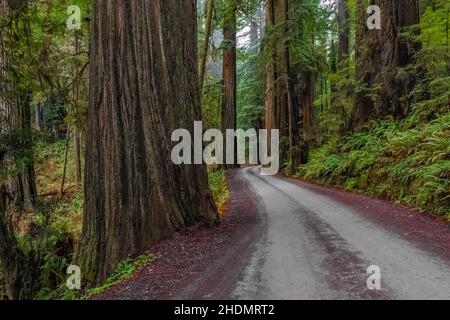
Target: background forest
363,110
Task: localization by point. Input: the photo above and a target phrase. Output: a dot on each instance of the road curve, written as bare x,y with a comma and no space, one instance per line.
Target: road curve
284,238
313,246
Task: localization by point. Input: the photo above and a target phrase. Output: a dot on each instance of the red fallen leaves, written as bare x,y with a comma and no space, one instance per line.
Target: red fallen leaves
184,257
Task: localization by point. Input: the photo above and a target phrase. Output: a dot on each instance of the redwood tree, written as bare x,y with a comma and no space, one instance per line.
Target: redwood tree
344,32
143,86
16,102
21,271
379,54
269,95
294,150
229,115
205,47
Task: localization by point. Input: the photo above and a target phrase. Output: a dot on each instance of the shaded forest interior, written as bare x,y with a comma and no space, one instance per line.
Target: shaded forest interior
359,91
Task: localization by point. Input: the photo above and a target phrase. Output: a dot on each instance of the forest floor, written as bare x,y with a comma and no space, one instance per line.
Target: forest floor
284,238
198,255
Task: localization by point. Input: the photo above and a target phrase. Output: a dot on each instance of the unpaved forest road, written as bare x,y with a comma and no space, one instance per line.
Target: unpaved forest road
283,238
314,246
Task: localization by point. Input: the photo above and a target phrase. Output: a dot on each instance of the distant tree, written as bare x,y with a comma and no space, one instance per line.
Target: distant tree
344,32
270,94
206,40
229,110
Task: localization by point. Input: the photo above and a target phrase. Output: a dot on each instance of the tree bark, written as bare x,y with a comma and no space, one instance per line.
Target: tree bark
22,187
143,86
39,118
25,191
21,272
66,157
205,47
294,152
77,156
269,96
379,54
281,90
255,27
344,33
229,116
308,118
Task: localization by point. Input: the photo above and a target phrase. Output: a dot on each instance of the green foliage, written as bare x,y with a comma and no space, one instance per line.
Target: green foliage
308,23
124,271
250,101
211,103
49,164
434,24
68,216
407,161
60,225
52,229
401,162
54,113
54,246
219,187
45,151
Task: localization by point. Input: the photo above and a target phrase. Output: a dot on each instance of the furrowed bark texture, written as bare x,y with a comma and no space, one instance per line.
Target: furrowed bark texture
282,108
144,85
206,40
18,122
229,116
25,191
21,272
344,32
308,115
294,151
269,97
379,54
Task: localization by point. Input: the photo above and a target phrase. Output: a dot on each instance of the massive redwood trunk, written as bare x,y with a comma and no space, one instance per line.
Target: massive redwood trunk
379,54
143,86
229,115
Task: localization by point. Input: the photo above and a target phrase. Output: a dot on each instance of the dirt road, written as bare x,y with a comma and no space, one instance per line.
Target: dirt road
314,247
302,241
